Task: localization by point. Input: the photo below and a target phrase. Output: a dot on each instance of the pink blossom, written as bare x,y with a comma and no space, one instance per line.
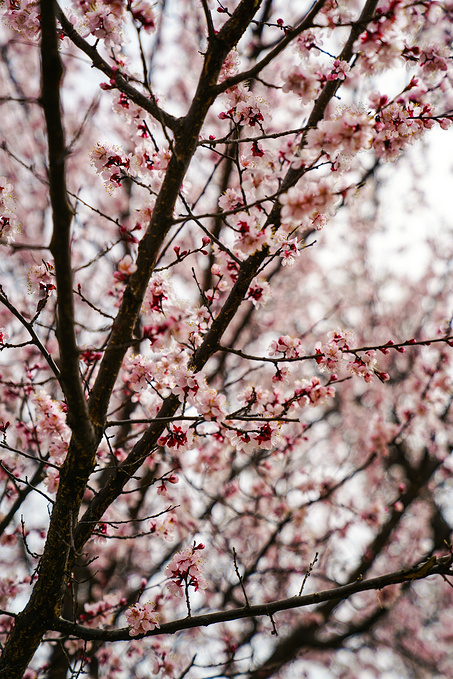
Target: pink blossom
126,267
330,354
303,83
251,234
179,437
186,385
266,435
243,440
364,365
4,336
290,252
281,375
259,292
231,200
164,528
340,70
143,14
306,41
230,66
9,224
52,479
103,20
140,371
244,108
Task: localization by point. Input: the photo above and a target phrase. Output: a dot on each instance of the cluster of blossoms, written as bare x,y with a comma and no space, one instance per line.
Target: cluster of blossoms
101,19
244,108
42,277
170,374
230,66
111,164
151,165
179,437
142,618
366,366
51,425
380,47
348,133
309,204
306,81
331,355
253,435
232,199
306,42
433,59
259,173
169,323
291,347
396,126
52,432
264,436
22,16
312,392
104,18
101,612
251,234
125,108
391,127
9,224
184,571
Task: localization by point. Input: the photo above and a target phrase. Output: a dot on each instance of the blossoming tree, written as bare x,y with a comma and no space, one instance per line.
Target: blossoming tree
225,434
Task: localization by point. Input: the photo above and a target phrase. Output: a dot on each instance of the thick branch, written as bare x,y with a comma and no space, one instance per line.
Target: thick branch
60,245
434,566
45,600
